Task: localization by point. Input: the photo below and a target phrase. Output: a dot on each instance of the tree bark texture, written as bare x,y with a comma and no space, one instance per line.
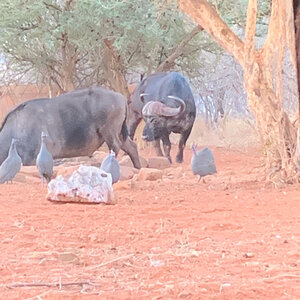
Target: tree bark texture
68,67
262,75
114,69
297,39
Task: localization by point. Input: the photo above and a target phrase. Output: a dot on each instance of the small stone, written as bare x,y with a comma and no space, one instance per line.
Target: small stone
126,161
158,163
149,174
249,255
68,257
127,172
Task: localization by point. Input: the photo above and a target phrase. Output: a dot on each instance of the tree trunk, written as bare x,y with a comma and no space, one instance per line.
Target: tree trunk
69,55
114,70
297,39
68,67
262,76
296,11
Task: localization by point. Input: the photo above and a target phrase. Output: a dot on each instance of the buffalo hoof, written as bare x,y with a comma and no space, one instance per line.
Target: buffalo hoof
179,159
169,158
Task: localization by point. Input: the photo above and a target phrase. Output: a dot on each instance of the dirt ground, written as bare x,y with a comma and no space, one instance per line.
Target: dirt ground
233,237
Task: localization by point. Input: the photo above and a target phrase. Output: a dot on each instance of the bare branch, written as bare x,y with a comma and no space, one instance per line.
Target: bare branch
206,16
168,63
48,284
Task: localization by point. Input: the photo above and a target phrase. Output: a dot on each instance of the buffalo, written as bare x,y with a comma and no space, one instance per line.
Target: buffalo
76,123
166,103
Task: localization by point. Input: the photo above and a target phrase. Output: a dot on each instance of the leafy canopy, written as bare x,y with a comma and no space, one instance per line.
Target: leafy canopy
143,32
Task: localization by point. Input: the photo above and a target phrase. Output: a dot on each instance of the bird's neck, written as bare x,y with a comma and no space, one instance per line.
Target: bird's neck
12,149
5,145
43,146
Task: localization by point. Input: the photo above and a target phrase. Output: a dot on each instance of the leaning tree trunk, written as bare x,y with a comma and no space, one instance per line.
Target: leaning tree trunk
68,66
297,39
262,76
297,42
114,69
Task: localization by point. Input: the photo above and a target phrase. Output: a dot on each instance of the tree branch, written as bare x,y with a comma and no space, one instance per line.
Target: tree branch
206,16
49,5
250,31
169,62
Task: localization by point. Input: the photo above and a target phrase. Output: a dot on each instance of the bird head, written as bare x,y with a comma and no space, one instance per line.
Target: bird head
43,135
14,141
112,153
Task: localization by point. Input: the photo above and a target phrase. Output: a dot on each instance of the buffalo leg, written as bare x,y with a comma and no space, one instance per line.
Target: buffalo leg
132,125
182,142
167,147
129,147
157,147
113,142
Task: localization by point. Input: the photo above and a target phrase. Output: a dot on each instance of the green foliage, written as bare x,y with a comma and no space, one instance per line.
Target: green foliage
235,11
143,32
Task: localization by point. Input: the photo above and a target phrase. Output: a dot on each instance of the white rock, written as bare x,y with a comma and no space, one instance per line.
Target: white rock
86,184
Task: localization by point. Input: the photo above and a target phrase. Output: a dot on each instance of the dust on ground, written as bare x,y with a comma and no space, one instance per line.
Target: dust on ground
233,237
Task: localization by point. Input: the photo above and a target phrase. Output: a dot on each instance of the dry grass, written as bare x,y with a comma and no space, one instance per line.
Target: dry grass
234,133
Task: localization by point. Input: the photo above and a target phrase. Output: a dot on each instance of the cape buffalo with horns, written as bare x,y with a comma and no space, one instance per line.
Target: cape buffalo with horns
166,103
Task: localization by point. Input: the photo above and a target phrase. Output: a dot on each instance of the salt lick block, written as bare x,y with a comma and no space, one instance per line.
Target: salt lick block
87,184
65,171
149,174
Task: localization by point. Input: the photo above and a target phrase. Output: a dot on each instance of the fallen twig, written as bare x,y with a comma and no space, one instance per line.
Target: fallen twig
47,284
281,276
110,261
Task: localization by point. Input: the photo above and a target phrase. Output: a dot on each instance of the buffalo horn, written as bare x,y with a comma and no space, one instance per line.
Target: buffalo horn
142,96
156,108
168,111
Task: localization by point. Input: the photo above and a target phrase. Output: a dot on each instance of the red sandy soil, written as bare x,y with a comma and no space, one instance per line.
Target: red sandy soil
233,237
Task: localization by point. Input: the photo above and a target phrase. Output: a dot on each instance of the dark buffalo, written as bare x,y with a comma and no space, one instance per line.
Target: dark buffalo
166,103
77,123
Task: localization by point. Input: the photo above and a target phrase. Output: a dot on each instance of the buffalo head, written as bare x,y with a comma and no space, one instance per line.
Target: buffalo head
156,115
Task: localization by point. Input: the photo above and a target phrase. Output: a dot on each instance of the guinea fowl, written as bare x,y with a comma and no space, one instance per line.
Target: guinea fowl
203,162
44,160
111,165
11,165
